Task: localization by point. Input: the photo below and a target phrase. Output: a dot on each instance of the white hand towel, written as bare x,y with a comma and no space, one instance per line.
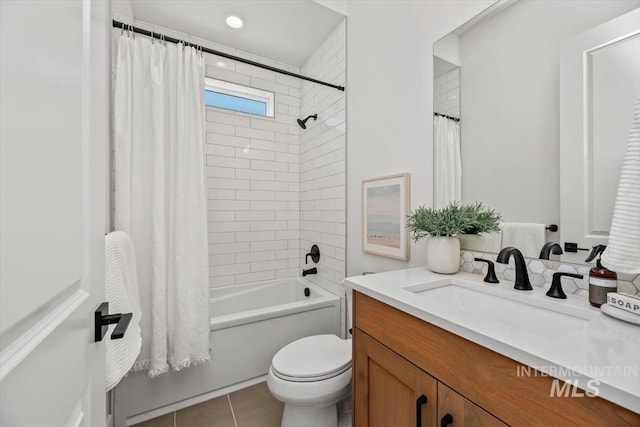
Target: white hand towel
527,237
623,251
121,289
484,242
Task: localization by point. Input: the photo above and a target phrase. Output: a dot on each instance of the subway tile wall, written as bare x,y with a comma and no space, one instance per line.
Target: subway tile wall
252,180
446,93
322,164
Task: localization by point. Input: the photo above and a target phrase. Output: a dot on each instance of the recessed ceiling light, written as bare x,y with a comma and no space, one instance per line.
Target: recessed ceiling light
220,64
234,21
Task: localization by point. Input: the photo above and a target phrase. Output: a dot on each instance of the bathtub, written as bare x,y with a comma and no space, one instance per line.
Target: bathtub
250,324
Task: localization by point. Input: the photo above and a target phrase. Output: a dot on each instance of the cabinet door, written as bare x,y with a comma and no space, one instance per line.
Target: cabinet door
389,390
455,410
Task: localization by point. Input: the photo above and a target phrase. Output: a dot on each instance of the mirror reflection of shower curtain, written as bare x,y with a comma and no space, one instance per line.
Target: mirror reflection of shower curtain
447,164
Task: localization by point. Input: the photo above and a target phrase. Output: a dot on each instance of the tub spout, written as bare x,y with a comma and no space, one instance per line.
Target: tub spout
309,271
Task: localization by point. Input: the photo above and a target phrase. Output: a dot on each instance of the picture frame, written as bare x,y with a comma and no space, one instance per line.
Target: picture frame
385,206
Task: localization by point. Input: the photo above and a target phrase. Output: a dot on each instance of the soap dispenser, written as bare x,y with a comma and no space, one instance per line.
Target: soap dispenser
601,280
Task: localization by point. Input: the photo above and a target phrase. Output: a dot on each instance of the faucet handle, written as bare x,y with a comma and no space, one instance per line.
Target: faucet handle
491,271
555,291
314,254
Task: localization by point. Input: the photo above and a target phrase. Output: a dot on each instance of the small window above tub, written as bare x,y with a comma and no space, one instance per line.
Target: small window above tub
232,96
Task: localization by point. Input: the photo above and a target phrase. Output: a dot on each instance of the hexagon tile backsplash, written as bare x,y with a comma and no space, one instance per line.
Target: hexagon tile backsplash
541,273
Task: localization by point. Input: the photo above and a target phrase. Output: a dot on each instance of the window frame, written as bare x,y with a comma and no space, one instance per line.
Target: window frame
241,91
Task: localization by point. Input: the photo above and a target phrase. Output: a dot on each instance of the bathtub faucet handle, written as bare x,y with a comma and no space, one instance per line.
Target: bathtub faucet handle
314,254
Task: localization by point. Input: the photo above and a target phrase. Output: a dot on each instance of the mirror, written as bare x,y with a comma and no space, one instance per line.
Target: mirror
521,140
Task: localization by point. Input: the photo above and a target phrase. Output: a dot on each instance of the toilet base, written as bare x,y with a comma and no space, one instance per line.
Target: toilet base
309,416
344,412
336,415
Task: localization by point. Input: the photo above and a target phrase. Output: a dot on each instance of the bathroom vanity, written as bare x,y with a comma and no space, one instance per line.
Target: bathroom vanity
433,350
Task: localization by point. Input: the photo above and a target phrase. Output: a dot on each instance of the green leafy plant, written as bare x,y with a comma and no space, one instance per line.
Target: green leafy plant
452,220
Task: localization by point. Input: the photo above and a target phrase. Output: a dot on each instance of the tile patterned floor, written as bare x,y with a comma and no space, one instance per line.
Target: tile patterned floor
250,407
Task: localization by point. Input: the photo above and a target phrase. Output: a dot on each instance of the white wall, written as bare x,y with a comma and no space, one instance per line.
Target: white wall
322,163
121,10
340,6
510,114
448,48
390,105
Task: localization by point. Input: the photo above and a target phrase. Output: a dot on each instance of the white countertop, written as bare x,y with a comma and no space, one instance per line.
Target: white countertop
601,353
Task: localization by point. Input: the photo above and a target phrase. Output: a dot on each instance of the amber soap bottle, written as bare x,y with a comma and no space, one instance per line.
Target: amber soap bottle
601,280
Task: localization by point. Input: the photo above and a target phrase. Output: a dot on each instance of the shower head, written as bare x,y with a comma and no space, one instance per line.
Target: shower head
303,123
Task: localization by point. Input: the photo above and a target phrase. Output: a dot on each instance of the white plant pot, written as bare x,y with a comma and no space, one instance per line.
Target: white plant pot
443,254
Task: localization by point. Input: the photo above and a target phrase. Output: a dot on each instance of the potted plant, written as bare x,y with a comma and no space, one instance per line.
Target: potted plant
443,225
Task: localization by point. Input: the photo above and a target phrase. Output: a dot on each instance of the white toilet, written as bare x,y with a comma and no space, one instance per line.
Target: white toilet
312,376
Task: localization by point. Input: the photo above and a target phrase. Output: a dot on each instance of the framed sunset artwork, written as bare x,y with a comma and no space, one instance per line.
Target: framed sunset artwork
385,205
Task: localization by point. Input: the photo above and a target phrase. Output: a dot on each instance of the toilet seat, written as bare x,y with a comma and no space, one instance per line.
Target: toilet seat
313,358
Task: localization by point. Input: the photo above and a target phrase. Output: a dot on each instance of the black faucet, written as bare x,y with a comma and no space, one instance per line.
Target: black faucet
522,277
550,248
309,271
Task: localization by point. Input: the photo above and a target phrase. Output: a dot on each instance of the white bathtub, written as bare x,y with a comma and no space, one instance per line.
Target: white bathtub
250,324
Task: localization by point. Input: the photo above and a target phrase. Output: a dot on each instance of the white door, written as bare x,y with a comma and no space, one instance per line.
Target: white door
53,138
599,83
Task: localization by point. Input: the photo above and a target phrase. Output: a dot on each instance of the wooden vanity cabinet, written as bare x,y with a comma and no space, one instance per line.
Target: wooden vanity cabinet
461,411
390,391
398,358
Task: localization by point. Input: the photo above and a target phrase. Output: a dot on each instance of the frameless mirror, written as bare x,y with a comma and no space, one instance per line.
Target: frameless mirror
537,149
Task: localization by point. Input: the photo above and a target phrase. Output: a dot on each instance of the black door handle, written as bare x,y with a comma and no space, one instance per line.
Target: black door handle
446,420
419,402
102,320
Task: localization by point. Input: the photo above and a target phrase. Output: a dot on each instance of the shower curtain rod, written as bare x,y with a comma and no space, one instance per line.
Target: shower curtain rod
455,119
138,30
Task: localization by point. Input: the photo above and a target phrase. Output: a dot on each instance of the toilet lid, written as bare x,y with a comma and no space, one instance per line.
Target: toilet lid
313,358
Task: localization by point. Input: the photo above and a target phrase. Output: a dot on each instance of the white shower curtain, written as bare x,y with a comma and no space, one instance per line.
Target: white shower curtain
447,164
160,195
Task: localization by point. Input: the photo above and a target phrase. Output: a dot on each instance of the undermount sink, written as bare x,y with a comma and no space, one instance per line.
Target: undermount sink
507,309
